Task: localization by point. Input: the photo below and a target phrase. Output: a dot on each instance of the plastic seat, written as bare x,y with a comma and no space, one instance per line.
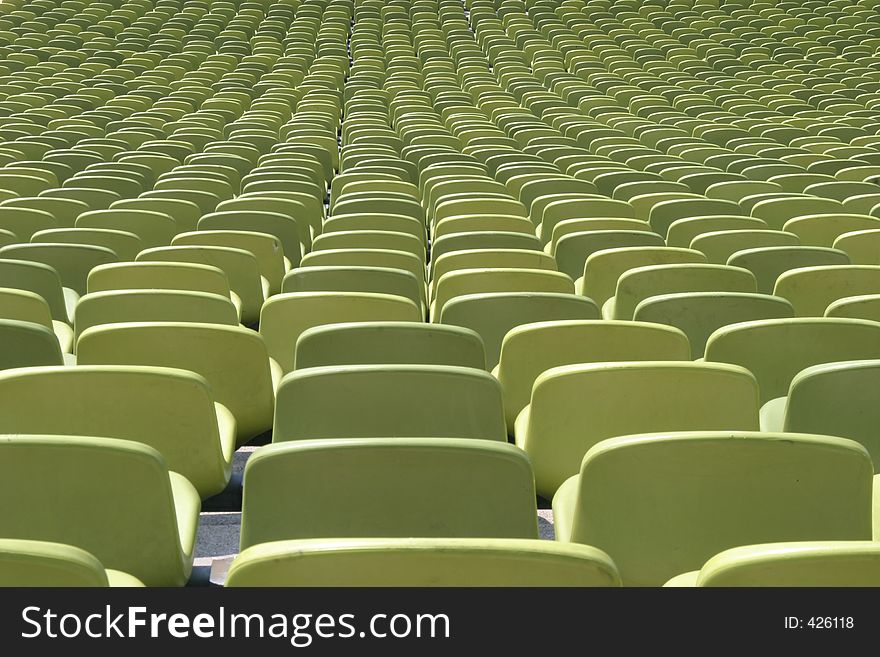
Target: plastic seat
232,359
367,257
394,487
769,263
703,492
25,563
72,262
24,222
390,343
603,268
63,210
665,213
483,240
147,305
185,213
699,314
775,350
643,283
153,228
573,250
812,289
42,280
824,229
265,248
865,306
576,208
831,399
68,488
794,564
240,266
285,316
530,349
718,246
373,401
286,229
683,231
573,407
161,276
370,239
170,410
125,245
481,281
492,315
862,246
777,211
28,344
461,562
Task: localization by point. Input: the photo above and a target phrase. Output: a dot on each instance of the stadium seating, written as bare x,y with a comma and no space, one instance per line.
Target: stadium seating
353,247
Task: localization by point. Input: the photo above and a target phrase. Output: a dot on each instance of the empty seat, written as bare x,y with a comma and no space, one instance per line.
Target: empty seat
802,563
145,305
26,344
768,263
25,563
285,316
573,407
700,493
699,314
488,280
73,262
367,401
824,229
113,498
603,268
170,410
374,343
812,289
775,350
642,283
233,360
835,399
394,487
462,562
240,266
718,246
26,306
573,250
529,350
492,315
865,306
378,280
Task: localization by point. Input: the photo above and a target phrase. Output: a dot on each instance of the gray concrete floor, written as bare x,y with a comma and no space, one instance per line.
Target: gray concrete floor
218,532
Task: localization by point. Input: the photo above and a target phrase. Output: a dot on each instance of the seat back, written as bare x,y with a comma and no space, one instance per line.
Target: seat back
700,493
768,263
573,407
812,289
285,316
374,343
531,349
170,410
837,399
775,350
798,563
394,487
492,315
422,562
642,283
699,314
373,401
232,359
112,498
